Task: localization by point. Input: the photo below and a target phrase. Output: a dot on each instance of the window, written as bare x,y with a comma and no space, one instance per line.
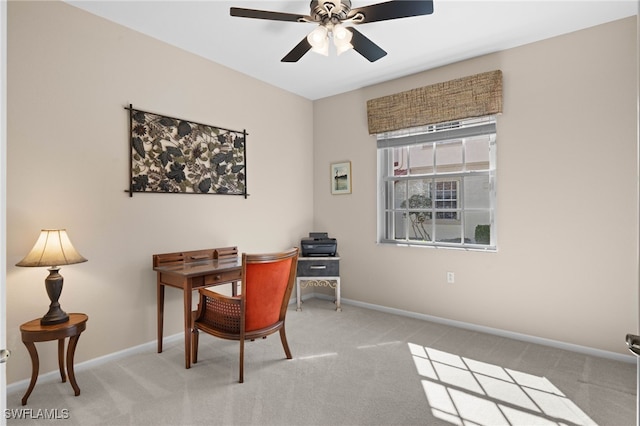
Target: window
446,196
438,185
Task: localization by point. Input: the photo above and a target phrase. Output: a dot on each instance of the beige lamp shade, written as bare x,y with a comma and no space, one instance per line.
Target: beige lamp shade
53,248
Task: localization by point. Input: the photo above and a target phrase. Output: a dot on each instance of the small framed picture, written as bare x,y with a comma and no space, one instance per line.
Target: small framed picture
341,177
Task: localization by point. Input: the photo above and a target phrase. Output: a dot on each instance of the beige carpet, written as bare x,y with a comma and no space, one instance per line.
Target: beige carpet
355,367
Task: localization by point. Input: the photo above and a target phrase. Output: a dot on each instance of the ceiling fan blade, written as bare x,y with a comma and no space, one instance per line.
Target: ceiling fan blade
297,52
365,47
265,14
392,10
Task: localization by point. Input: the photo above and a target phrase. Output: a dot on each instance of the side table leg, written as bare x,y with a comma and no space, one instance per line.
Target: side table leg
35,367
338,307
298,308
71,350
61,360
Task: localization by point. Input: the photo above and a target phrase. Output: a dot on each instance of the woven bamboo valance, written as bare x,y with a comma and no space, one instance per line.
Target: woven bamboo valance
474,96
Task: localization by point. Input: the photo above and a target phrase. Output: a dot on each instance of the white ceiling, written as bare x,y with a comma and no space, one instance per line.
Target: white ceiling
457,30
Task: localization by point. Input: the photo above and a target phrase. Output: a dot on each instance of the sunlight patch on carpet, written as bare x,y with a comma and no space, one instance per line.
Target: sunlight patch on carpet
324,355
463,391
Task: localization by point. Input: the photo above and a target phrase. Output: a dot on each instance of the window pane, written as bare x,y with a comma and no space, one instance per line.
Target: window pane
477,153
399,194
477,226
419,225
449,157
418,201
476,192
446,196
448,231
395,228
400,161
419,194
421,159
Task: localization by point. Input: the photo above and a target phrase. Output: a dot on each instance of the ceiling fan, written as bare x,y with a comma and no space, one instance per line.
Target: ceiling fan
331,15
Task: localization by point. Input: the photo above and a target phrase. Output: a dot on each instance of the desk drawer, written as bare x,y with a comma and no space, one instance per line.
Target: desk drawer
319,268
222,277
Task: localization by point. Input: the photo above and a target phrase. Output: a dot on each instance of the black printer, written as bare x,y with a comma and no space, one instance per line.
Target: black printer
318,244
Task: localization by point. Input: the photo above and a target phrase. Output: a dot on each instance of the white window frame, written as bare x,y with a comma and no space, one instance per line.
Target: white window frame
408,214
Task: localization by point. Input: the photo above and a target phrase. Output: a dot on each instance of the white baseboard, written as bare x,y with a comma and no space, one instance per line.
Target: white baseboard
495,331
55,375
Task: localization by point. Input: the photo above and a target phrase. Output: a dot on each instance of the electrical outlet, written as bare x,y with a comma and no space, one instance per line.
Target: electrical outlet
451,278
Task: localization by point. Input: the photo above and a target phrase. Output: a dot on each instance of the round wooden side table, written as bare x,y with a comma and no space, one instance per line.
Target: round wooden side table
33,332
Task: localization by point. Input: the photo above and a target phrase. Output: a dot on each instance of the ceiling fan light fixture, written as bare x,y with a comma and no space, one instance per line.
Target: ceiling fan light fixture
341,38
319,40
323,50
318,37
341,34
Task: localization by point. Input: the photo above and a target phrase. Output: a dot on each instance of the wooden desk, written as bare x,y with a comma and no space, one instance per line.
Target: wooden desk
33,332
190,271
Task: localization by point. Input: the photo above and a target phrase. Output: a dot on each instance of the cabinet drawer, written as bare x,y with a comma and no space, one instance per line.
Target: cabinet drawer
222,277
319,268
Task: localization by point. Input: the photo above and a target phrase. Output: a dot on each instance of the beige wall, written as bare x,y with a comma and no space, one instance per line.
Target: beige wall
70,74
567,261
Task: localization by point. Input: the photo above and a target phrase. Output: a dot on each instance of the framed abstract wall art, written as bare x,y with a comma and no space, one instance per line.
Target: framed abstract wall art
340,176
172,155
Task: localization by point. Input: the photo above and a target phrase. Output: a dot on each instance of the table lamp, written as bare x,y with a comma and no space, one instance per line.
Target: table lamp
53,249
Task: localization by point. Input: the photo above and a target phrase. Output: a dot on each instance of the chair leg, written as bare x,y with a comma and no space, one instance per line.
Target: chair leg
285,345
241,380
194,346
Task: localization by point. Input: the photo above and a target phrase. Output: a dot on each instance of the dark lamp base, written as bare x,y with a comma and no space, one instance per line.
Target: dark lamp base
53,284
54,316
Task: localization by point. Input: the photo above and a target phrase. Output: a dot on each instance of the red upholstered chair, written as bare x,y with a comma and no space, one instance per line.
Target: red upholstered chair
259,310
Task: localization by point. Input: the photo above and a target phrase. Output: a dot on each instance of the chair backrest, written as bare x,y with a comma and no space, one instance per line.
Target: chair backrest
267,282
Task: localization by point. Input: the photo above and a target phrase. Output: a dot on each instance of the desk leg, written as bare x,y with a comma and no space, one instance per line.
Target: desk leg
338,307
61,359
160,301
71,350
187,325
35,367
299,302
